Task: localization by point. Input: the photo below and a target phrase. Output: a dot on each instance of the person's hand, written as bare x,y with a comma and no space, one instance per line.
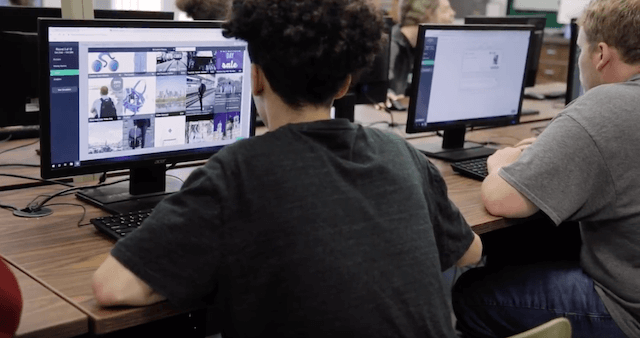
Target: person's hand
525,142
503,157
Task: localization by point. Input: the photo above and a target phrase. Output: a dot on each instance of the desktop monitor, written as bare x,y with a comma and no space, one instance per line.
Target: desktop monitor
574,87
18,32
369,86
372,84
138,95
538,21
466,76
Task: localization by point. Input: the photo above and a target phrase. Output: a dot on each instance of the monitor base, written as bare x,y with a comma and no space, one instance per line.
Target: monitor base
469,151
116,198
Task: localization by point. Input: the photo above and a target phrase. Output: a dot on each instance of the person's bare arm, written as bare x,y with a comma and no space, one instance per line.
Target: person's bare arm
113,284
473,254
499,197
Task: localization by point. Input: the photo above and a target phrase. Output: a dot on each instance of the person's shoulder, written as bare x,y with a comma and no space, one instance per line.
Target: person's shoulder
598,102
390,140
602,94
382,134
253,145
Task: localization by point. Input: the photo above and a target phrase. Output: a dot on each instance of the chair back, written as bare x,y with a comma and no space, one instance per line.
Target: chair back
557,328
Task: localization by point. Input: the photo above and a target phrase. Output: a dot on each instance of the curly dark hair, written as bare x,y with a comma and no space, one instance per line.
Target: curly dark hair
205,9
307,48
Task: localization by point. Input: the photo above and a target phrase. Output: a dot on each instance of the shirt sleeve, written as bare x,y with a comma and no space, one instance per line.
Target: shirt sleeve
452,232
177,249
563,172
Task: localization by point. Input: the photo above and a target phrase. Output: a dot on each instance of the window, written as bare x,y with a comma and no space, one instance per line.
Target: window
137,5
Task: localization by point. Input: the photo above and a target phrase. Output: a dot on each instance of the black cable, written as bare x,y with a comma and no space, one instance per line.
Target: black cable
382,106
84,210
37,179
19,165
7,139
8,206
102,178
18,147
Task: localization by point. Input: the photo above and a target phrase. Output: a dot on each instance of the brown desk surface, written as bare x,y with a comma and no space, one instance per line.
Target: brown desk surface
45,314
465,192
64,257
23,155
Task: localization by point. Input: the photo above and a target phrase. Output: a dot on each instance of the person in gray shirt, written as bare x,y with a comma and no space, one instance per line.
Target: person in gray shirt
584,167
318,228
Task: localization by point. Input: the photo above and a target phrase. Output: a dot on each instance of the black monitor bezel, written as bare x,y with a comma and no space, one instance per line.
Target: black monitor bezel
492,121
573,67
24,19
539,21
117,163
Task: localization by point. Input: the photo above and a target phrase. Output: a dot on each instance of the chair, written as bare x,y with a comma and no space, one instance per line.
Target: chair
10,301
557,328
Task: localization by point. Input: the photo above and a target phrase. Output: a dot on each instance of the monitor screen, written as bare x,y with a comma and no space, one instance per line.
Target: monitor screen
139,94
538,21
467,75
574,87
18,32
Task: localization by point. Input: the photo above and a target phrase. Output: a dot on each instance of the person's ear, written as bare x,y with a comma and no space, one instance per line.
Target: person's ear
344,89
605,55
257,80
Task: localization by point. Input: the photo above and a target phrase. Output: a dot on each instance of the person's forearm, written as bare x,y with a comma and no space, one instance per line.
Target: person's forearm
113,284
501,199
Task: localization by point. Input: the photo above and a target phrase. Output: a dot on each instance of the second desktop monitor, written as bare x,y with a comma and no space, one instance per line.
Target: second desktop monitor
466,76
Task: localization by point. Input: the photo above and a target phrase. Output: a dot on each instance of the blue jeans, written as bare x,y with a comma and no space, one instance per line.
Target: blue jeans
499,301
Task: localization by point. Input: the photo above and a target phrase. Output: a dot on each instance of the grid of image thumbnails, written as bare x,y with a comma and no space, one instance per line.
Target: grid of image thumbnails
158,97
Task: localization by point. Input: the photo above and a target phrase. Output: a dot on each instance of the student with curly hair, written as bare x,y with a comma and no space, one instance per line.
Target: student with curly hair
318,228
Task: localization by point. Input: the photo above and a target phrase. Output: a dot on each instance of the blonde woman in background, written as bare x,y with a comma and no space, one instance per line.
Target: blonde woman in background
404,36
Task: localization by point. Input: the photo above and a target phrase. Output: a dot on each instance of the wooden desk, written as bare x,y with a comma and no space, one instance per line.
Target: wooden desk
45,314
24,155
465,192
64,257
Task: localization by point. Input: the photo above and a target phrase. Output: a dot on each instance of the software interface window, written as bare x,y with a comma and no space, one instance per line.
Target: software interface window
476,65
131,91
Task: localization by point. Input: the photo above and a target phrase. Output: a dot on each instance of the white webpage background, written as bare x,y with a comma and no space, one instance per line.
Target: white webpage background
89,37
466,85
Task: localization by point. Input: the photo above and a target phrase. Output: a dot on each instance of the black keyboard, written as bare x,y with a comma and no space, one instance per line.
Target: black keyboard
120,225
476,168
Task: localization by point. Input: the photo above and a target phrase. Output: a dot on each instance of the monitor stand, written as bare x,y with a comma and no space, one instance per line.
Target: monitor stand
454,148
146,188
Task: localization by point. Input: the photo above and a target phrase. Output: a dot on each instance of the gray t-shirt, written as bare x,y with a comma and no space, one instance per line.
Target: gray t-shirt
585,167
322,229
